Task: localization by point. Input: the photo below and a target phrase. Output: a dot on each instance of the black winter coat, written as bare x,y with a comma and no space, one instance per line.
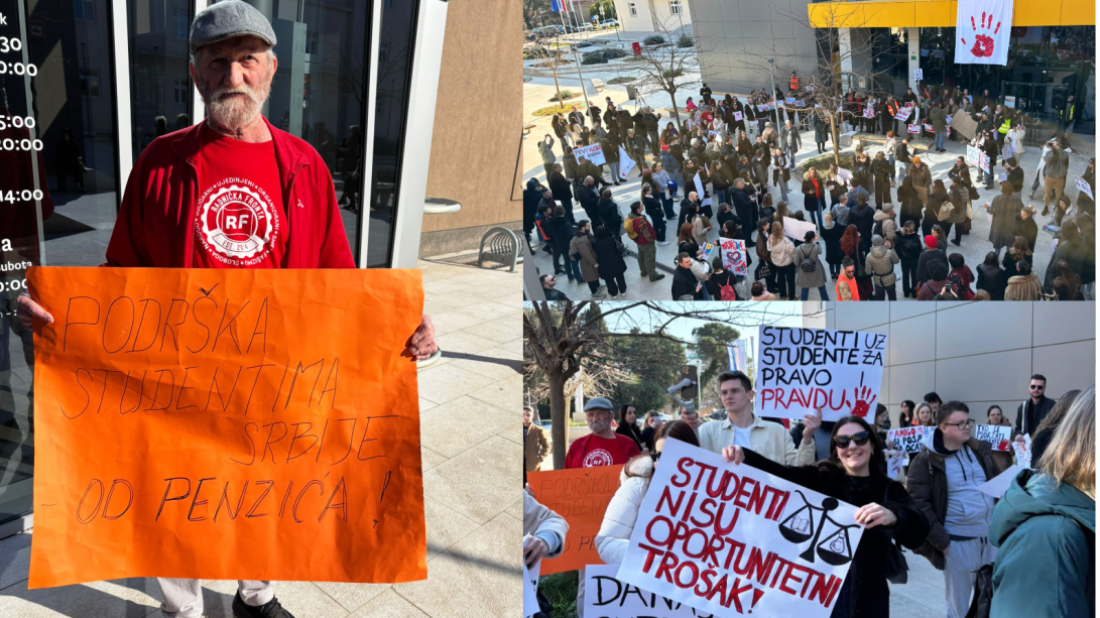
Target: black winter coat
864,220
609,258
831,236
561,233
908,246
610,216
992,280
865,593
1028,229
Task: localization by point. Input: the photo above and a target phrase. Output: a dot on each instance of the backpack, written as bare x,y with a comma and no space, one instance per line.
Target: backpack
726,291
877,229
629,227
808,265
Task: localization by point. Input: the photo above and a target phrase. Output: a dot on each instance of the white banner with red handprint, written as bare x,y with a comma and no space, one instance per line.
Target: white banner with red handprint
802,369
983,27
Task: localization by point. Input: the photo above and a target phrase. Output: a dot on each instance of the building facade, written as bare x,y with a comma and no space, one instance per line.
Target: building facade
980,353
882,42
653,15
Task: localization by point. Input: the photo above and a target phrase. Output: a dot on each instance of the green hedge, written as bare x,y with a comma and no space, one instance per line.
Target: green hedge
602,56
655,39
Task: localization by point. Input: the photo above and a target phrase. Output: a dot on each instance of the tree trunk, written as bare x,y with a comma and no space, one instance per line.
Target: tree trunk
836,141
559,424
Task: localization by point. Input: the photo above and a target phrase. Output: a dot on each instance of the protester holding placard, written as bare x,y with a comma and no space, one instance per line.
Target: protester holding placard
169,213
543,531
995,416
944,480
856,474
1045,527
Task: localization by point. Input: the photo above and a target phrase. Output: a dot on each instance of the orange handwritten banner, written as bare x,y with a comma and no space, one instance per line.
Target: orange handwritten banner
227,424
581,496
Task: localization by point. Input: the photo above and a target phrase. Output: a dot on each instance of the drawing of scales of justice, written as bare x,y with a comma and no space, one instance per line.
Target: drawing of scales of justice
810,522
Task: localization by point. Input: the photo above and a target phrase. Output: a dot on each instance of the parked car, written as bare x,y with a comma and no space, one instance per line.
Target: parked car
609,23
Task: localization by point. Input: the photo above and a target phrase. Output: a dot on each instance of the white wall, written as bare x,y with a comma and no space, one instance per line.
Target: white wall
982,353
648,10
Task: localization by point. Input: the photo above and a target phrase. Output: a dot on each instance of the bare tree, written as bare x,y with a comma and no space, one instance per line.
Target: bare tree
561,338
837,67
665,67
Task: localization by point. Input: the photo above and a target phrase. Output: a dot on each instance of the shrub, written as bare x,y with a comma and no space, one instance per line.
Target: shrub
621,80
685,41
673,73
565,94
601,56
655,39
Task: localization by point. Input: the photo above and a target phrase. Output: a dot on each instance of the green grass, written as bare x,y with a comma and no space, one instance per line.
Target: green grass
561,590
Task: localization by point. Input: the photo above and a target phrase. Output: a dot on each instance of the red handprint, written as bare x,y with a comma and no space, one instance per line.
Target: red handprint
983,44
864,400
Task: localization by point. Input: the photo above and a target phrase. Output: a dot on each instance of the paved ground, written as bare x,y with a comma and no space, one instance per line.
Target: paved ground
974,246
922,596
469,424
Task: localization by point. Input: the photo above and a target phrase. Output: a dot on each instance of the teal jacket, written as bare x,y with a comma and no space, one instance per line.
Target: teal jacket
1046,535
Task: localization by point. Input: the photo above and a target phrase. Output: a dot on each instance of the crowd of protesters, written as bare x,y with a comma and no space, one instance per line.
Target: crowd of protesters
726,171
1031,551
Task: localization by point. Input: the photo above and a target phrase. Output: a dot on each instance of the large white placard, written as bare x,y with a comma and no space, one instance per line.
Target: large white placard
733,256
531,589
605,596
918,75
802,369
1023,452
904,113
983,27
730,539
593,153
737,116
625,163
699,186
793,228
908,439
998,485
998,436
973,154
1083,186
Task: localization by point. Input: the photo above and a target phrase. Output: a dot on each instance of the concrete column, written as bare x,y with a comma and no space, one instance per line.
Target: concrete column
914,56
845,57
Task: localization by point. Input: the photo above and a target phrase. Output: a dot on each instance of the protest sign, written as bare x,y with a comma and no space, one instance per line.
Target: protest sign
154,385
728,539
904,113
606,596
914,128
737,116
998,485
1002,177
761,108
531,589
998,436
708,249
964,124
625,163
580,495
845,175
800,103
1007,151
908,439
927,127
868,111
593,153
894,465
972,155
733,256
1083,186
802,369
1023,452
699,185
789,101
793,228
1010,102
713,135
918,75
983,162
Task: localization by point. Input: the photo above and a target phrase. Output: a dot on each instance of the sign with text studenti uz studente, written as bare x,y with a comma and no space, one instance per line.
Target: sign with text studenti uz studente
802,369
227,424
732,540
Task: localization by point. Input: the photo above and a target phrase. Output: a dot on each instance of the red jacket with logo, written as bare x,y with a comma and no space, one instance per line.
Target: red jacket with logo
155,225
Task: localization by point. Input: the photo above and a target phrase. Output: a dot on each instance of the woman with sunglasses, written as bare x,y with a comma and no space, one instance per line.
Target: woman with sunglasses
622,511
855,472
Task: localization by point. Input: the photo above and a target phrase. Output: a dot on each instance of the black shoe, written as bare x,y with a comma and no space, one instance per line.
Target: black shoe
271,609
1046,211
658,277
956,243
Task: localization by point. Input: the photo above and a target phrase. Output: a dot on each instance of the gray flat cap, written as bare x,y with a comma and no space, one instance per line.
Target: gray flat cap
227,19
599,403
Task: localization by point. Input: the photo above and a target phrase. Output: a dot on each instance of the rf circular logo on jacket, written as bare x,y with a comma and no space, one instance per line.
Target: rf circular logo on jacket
237,222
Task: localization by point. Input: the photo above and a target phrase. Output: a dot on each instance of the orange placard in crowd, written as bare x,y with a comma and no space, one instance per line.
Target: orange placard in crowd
226,424
581,496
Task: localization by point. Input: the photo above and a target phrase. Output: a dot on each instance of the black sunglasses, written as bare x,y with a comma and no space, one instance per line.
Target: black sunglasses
860,439
1037,387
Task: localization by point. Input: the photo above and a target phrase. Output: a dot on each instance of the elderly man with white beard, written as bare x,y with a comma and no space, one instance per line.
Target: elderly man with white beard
230,192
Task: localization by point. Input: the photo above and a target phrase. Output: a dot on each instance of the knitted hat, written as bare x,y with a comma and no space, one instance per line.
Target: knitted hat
877,240
930,241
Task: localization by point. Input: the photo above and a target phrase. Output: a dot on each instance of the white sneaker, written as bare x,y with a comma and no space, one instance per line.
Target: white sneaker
663,243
